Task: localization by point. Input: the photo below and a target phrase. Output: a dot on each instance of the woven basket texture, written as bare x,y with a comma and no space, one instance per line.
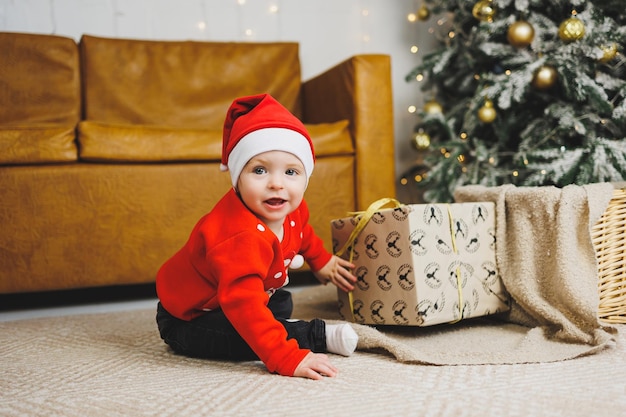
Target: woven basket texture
609,240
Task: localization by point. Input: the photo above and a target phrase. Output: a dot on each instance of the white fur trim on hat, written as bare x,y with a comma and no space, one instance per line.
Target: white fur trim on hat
269,139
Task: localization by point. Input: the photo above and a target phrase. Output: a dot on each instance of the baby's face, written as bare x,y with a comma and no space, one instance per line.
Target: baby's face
272,185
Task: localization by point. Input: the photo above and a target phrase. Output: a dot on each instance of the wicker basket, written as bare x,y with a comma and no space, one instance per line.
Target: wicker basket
609,240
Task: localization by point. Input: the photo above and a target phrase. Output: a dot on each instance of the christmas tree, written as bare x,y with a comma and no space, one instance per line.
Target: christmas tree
524,92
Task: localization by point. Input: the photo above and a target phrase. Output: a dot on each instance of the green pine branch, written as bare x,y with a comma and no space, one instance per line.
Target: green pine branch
572,132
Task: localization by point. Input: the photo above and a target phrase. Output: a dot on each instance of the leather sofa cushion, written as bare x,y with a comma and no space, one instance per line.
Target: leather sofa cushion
119,142
37,144
135,143
331,138
184,84
39,80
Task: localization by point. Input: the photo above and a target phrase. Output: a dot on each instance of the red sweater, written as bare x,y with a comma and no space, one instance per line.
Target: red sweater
233,261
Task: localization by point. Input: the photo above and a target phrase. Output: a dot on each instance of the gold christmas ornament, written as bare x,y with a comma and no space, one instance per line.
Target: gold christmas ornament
423,13
420,140
487,113
484,10
520,34
545,77
608,52
571,29
432,107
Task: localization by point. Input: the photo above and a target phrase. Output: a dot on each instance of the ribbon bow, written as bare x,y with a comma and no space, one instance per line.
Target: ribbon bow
364,218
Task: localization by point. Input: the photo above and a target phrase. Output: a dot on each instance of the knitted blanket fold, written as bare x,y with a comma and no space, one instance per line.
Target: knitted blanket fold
546,257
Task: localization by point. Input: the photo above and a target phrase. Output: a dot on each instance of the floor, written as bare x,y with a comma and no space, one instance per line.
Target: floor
28,306
104,307
61,303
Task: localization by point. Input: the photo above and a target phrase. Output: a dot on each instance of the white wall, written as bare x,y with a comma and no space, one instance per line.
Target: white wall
328,31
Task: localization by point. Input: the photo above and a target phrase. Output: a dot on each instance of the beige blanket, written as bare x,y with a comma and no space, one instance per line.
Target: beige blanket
478,341
546,256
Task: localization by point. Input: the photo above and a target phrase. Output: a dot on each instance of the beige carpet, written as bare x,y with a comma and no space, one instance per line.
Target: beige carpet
114,364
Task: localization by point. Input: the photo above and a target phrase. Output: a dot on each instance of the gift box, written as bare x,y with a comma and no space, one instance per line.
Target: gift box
420,264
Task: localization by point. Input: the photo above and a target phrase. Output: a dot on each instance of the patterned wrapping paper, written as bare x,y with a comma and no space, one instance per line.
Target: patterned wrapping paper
421,264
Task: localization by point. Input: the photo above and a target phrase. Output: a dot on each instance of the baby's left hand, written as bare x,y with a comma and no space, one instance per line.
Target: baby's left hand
337,271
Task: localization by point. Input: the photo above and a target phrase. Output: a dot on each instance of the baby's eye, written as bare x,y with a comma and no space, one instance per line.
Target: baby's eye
291,171
259,170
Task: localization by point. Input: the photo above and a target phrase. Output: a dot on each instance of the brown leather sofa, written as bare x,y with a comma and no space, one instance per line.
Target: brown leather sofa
110,148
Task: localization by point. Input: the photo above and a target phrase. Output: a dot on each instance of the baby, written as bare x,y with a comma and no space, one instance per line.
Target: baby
220,296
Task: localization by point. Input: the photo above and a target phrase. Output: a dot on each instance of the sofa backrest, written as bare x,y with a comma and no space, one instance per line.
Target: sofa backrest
186,84
39,79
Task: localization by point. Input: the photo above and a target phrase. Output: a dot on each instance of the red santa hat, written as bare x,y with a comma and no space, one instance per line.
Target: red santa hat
257,124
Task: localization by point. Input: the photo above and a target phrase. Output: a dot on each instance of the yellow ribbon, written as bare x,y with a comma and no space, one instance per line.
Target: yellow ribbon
364,218
458,268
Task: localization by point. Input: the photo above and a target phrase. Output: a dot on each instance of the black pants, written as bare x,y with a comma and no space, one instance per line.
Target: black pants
212,336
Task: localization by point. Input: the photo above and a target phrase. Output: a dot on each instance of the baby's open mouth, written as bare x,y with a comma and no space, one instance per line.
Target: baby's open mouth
275,201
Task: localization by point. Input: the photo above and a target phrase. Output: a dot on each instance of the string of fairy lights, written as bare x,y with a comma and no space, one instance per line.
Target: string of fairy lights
420,139
273,8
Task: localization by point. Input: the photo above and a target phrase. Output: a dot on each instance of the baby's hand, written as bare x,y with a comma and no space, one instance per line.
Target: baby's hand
337,271
315,366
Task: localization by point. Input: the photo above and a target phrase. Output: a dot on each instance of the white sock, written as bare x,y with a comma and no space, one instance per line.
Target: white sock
341,339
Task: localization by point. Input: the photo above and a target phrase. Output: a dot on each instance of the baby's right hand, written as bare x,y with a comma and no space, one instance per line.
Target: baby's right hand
315,366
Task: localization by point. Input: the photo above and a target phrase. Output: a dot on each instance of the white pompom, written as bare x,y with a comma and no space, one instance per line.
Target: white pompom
297,262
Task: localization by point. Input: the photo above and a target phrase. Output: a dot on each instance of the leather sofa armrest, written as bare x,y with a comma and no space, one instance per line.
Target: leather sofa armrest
359,89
